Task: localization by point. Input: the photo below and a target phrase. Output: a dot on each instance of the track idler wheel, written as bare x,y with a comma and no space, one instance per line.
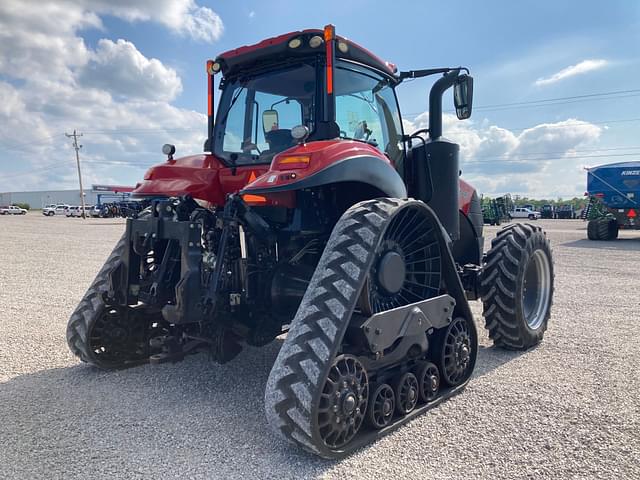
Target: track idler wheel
428,381
457,355
343,403
406,388
381,406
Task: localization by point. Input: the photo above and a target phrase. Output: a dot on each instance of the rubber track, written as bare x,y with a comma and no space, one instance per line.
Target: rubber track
298,375
498,285
90,307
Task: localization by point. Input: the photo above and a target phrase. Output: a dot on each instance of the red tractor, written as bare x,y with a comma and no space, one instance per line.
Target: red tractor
312,212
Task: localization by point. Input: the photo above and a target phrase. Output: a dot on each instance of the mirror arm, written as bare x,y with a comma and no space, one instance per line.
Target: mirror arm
426,72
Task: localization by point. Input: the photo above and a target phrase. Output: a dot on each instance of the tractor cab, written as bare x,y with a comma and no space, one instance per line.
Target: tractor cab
282,84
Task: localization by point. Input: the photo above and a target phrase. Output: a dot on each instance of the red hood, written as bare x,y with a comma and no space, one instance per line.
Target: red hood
202,176
322,154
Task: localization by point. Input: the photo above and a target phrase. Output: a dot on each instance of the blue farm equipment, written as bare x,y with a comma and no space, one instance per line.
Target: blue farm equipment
614,199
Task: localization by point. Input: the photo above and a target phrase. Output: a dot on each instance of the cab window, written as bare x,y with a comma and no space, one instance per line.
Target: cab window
367,110
256,114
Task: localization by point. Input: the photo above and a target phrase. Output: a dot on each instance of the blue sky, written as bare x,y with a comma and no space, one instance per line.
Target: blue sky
130,76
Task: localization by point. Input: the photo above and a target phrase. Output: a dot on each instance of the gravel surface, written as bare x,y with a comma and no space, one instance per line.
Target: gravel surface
567,409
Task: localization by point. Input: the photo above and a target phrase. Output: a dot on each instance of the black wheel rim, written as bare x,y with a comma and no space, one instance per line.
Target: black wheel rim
382,406
343,402
457,352
406,393
411,239
117,338
429,380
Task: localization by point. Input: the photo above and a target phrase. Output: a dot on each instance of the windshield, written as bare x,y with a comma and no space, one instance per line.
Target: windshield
367,110
256,115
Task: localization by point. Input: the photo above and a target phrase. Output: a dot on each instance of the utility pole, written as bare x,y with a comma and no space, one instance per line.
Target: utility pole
77,148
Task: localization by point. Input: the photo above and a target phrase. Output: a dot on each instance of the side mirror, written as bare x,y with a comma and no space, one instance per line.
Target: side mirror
269,120
463,96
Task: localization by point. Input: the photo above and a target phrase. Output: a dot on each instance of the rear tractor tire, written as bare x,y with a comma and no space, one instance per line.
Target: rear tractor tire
517,286
603,228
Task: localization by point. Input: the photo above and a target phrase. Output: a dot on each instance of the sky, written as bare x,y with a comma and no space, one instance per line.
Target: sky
555,89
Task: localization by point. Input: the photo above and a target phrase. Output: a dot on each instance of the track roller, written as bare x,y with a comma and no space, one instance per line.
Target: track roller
406,390
428,381
381,406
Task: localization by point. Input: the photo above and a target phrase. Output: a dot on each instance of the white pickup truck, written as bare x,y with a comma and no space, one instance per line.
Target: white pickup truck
522,212
51,210
12,210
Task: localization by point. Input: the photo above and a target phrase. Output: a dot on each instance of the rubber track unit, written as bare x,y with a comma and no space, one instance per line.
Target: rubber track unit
301,368
499,286
90,307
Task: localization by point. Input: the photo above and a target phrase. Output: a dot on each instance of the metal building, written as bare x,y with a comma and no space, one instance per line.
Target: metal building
39,199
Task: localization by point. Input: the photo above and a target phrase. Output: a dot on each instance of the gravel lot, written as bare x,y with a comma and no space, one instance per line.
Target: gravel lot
567,409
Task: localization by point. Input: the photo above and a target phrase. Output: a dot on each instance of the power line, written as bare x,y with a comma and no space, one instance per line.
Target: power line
529,160
124,131
499,109
551,101
569,125
589,95
31,172
506,155
36,141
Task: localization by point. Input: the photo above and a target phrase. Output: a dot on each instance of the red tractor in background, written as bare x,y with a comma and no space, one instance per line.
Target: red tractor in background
312,212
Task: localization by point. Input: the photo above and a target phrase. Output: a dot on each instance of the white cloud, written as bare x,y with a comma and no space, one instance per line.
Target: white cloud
539,161
52,82
39,38
578,69
184,17
42,36
119,68
252,14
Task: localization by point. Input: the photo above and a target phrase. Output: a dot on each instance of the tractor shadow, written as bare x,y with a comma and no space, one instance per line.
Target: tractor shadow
157,421
491,358
149,421
620,244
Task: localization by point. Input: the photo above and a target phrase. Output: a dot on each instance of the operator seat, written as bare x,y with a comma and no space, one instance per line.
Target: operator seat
279,140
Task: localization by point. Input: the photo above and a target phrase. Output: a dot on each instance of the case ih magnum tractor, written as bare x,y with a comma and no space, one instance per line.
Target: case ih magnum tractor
311,212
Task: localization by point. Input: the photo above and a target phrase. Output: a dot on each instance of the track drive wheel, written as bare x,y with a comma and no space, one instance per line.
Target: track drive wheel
295,397
517,286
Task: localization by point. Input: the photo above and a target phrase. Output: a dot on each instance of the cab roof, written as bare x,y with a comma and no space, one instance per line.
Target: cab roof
276,49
